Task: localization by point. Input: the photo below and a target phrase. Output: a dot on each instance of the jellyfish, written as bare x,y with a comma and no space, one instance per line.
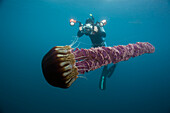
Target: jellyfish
62,64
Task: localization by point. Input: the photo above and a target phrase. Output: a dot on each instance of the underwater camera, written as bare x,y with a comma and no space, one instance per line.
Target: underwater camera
87,29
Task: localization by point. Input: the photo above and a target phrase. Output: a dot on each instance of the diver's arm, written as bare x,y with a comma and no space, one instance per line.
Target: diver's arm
102,32
99,31
79,33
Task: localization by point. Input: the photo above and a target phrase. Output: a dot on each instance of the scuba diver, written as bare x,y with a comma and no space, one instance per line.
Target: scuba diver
97,35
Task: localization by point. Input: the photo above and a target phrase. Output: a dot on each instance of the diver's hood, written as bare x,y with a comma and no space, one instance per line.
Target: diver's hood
89,20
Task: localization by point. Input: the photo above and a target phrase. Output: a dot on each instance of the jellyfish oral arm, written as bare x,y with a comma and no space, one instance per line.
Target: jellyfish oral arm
62,64
93,58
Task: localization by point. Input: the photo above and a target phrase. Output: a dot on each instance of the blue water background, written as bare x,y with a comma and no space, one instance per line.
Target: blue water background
29,28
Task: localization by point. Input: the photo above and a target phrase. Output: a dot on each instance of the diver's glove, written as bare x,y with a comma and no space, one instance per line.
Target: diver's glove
95,29
80,28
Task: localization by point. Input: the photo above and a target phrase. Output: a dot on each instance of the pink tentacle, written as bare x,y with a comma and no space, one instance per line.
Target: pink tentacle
93,58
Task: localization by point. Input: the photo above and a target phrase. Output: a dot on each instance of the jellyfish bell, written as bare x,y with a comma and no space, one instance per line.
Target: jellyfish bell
58,67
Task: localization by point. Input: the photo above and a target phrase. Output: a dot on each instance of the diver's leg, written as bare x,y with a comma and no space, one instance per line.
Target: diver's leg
102,84
105,72
111,70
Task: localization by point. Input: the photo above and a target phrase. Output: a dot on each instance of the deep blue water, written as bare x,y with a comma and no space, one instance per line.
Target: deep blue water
29,28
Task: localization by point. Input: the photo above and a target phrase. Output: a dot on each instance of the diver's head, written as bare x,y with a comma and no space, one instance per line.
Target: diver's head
88,28
89,21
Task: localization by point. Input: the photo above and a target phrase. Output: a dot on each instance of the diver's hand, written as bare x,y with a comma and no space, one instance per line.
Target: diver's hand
80,28
95,29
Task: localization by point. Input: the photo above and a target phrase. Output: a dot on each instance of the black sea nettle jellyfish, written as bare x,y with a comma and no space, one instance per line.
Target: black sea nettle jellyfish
62,64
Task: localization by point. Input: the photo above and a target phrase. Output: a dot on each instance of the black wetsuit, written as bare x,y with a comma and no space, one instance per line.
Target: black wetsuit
97,39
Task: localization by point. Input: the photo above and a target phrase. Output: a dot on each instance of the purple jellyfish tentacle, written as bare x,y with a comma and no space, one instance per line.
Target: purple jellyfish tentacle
96,57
